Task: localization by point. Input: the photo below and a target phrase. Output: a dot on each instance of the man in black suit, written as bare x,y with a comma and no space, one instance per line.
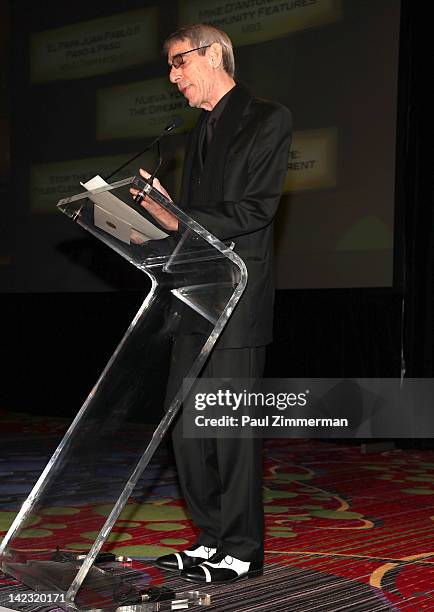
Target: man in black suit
235,164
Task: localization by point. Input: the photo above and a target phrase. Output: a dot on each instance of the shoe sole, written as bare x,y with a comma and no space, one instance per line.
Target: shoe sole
168,569
252,574
174,570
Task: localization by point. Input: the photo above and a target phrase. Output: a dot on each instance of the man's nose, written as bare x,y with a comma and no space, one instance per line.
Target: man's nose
174,74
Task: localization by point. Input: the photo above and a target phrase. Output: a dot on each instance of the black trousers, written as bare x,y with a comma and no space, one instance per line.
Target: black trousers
221,478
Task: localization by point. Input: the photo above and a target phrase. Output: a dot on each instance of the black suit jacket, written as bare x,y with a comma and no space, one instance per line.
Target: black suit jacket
237,197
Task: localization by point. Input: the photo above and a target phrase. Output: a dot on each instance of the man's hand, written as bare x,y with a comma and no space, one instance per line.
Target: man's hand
163,216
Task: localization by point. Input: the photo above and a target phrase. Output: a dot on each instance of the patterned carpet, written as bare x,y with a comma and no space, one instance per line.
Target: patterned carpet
344,530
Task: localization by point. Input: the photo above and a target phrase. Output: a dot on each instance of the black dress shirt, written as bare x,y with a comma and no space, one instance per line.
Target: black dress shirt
209,125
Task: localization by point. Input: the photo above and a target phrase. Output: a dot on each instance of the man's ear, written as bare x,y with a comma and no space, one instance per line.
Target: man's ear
215,55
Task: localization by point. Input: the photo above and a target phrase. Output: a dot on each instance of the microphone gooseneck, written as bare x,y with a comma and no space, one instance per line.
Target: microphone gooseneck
176,122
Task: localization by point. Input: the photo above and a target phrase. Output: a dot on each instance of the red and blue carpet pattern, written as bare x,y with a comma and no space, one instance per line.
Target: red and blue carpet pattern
344,530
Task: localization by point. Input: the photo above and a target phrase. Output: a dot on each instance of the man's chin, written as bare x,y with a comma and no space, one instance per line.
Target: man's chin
190,99
192,102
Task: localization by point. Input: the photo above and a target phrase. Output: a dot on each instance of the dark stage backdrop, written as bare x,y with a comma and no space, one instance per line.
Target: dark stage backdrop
91,97
89,89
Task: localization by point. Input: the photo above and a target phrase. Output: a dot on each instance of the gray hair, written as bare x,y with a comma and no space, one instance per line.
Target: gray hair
201,34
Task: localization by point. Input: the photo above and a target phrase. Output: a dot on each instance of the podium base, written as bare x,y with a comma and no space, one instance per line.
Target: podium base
103,589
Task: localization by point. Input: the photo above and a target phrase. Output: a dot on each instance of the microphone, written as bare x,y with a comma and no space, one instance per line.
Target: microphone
176,122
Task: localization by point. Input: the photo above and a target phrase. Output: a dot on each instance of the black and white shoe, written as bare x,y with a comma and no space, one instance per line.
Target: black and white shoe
222,568
185,559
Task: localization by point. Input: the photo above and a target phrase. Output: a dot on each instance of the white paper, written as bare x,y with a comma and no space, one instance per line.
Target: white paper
117,218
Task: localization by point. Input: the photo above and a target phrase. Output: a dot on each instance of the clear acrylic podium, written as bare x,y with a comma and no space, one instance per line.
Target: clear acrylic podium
196,281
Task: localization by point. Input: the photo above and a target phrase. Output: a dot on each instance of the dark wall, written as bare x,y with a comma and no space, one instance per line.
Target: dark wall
54,346
328,334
